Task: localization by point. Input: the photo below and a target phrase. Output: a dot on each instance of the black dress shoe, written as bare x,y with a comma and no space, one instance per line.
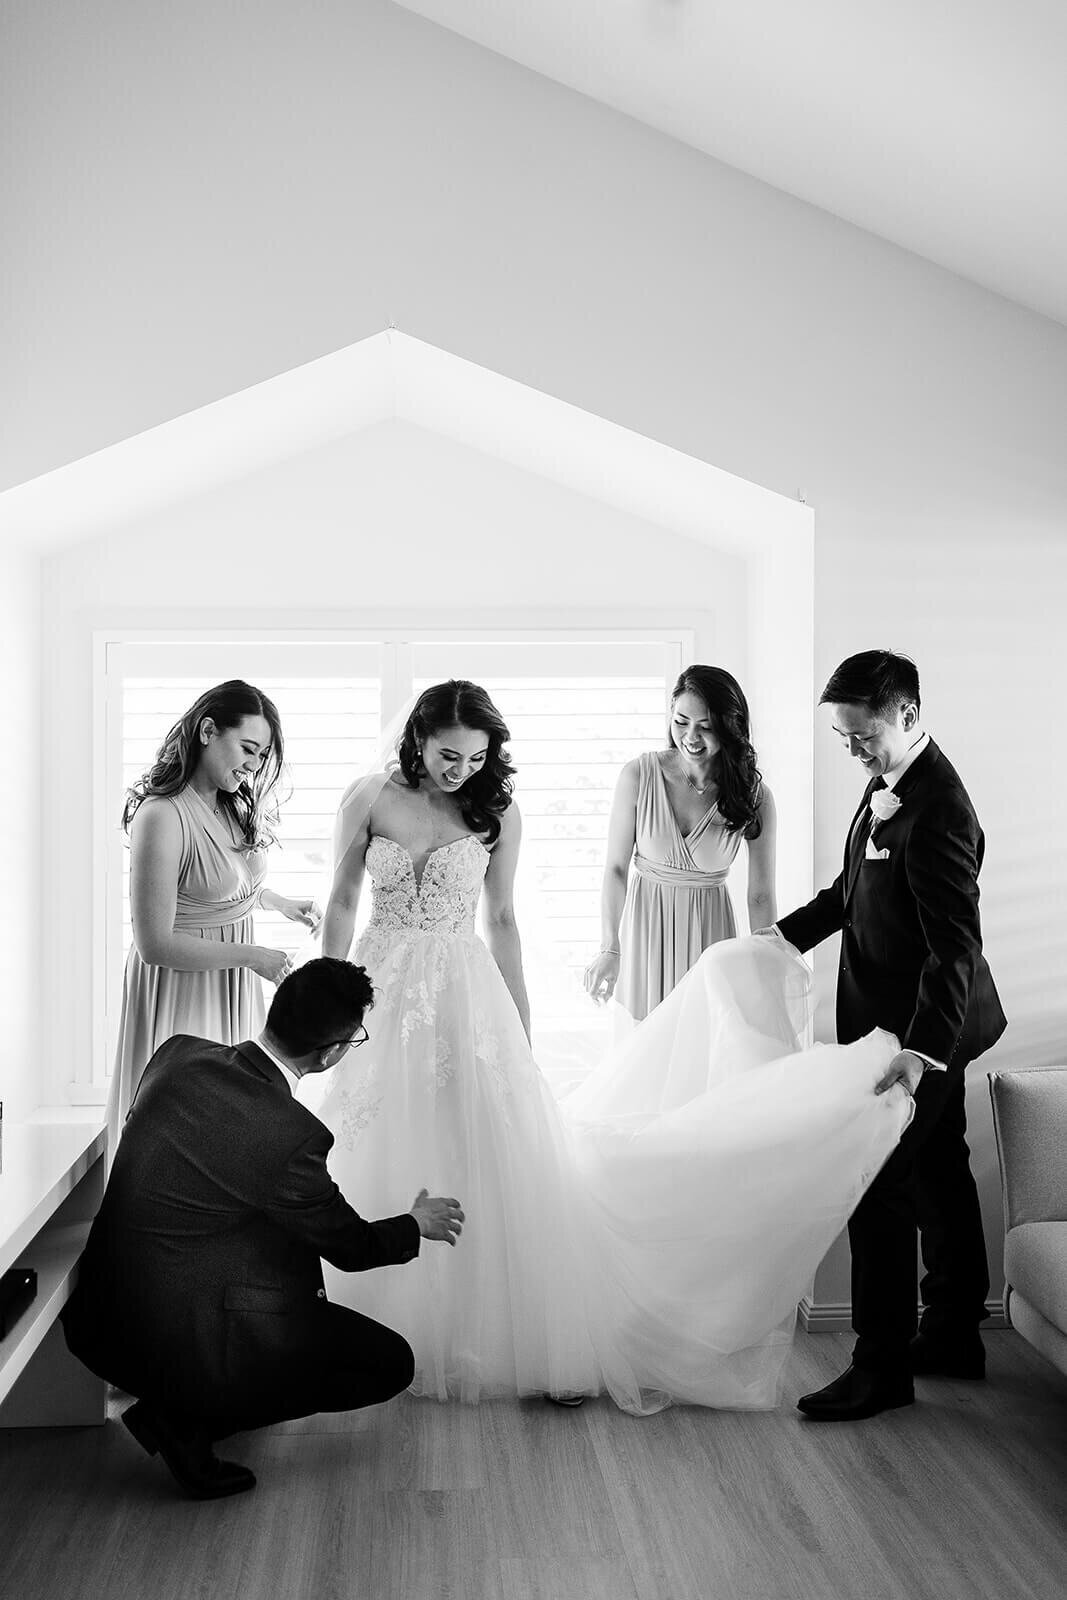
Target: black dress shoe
948,1358
857,1394
189,1456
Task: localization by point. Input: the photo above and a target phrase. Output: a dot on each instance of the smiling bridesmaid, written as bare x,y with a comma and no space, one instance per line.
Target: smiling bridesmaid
200,821
677,822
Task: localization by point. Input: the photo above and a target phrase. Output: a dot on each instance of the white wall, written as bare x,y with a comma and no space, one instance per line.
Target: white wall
22,1085
203,199
396,516
394,526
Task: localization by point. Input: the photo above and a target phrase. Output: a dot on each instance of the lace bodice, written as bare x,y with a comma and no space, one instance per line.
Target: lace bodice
442,902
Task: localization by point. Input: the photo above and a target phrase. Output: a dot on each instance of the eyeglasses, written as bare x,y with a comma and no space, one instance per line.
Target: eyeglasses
359,1037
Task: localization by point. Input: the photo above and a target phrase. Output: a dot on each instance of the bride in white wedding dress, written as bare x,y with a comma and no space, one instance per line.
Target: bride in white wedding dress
650,1235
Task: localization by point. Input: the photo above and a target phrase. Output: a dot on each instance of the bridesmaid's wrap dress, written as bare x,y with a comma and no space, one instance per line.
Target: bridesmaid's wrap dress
218,887
677,902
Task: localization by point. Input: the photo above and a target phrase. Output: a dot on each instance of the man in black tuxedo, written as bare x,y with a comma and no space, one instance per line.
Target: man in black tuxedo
200,1290
906,906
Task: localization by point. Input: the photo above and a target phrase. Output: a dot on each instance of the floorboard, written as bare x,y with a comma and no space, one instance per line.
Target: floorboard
961,1497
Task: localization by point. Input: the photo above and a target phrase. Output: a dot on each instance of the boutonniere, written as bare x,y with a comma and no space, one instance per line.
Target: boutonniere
884,804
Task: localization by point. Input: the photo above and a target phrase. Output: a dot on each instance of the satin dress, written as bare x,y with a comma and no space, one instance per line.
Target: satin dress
677,900
218,887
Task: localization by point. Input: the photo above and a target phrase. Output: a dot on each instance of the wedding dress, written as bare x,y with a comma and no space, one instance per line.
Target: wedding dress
649,1235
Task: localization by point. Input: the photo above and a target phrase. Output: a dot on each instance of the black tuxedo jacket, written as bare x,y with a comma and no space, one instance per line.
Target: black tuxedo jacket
911,937
202,1270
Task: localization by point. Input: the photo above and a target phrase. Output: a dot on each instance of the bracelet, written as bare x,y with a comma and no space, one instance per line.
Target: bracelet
609,950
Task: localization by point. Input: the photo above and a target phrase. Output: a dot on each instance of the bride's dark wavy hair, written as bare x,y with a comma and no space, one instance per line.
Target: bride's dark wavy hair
740,780
254,807
461,704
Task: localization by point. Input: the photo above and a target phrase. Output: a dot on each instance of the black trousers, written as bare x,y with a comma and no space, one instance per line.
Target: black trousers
925,1186
356,1362
343,1361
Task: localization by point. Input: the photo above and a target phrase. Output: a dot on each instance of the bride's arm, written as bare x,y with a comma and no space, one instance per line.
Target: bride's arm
340,918
498,911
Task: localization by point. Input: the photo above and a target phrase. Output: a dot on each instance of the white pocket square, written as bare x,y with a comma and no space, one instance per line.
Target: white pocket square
871,854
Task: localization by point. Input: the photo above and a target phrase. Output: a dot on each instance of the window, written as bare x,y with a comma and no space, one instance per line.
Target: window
578,709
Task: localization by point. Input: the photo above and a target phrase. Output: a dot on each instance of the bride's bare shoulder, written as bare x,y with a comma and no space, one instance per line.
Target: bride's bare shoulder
510,827
395,788
395,804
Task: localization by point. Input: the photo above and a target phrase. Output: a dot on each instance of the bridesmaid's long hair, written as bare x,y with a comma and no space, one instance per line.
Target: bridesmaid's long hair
461,704
740,780
254,808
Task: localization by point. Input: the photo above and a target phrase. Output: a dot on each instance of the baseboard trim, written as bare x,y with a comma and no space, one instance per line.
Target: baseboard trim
836,1317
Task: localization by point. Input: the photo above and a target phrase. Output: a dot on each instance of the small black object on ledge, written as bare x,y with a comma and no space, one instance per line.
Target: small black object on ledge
18,1289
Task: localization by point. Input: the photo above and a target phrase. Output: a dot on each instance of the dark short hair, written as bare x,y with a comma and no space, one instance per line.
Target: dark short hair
320,1003
881,680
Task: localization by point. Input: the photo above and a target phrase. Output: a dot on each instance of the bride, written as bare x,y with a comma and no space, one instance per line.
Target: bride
648,1236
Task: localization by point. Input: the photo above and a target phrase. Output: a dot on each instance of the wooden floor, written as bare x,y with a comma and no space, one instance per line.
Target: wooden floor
961,1497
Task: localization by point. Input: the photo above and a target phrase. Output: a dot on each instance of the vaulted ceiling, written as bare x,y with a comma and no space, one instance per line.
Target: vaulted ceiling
940,125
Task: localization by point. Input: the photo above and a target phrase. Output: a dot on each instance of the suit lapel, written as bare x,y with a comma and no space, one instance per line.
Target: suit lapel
857,841
861,832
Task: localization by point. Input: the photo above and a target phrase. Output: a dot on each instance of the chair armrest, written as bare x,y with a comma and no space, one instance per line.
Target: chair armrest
1030,1120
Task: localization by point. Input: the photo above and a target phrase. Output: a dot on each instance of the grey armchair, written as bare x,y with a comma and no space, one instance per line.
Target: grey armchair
1030,1118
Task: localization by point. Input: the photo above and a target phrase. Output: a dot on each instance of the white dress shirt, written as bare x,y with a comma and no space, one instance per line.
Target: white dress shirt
287,1072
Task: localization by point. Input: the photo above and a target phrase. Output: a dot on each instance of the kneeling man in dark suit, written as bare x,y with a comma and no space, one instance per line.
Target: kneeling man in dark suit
200,1290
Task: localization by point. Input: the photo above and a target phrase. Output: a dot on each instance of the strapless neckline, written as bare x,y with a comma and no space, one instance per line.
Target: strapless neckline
419,878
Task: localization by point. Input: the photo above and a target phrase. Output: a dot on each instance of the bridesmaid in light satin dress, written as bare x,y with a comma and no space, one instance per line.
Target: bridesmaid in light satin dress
677,822
200,821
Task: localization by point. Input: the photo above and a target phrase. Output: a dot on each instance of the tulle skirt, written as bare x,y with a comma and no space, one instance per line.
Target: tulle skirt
648,1236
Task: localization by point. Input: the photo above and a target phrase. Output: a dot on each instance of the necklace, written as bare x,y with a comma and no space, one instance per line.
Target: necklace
696,787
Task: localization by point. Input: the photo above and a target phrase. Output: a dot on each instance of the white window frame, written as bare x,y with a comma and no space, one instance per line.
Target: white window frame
396,640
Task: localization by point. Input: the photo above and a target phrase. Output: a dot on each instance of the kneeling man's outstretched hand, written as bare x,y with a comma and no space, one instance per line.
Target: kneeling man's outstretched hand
437,1218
